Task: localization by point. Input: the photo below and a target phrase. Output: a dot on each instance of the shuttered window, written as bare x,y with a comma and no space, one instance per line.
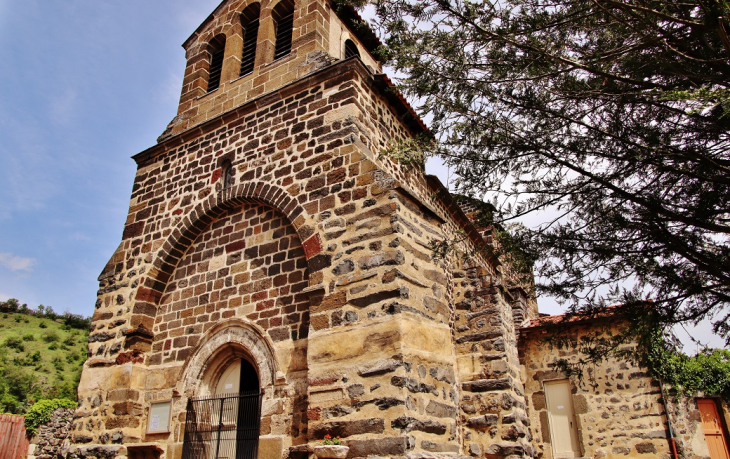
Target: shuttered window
283,15
351,49
250,23
216,51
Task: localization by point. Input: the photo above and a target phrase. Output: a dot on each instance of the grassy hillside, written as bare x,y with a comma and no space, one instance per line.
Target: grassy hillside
40,357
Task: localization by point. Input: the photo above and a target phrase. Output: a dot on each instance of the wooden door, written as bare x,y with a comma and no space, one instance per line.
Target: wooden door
713,428
563,429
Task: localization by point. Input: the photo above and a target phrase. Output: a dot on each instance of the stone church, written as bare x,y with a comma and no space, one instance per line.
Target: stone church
276,284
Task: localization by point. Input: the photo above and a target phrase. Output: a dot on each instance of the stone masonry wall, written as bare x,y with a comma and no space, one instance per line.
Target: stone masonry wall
52,439
249,263
319,258
687,423
492,404
376,359
618,406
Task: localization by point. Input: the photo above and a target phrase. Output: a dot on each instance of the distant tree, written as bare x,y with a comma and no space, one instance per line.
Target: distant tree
611,115
10,305
50,313
76,321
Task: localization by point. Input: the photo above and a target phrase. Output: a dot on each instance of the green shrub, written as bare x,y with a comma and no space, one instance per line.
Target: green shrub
42,325
17,319
41,412
53,347
29,337
58,363
69,341
15,343
50,336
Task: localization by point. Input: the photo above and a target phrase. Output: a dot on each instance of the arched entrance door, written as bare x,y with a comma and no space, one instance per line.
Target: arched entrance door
226,424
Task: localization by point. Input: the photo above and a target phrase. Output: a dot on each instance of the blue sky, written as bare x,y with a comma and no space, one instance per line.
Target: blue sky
85,84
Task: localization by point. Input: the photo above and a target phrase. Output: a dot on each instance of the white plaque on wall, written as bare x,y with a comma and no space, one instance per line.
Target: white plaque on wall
159,420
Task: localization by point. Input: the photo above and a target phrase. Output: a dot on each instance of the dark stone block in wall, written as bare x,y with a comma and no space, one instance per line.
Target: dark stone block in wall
376,297
319,262
412,385
440,410
538,401
343,267
479,336
101,337
545,426
408,424
348,428
645,448
393,446
499,450
141,307
483,422
133,230
486,385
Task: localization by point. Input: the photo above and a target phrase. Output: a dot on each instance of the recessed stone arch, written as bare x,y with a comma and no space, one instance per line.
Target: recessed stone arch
192,225
232,339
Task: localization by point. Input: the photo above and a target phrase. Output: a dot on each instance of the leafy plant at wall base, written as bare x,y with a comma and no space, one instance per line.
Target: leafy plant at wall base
41,412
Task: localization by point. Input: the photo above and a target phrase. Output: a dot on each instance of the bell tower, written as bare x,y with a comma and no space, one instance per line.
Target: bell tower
275,282
237,55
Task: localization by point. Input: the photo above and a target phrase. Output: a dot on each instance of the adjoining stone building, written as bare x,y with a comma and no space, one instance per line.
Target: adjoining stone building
276,283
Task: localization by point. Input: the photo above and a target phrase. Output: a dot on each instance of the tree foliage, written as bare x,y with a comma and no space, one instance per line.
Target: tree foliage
609,116
707,372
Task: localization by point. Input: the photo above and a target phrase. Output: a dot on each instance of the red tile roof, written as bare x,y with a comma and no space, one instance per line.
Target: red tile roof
572,318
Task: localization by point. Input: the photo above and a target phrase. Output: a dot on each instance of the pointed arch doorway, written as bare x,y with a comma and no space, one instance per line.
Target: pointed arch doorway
226,424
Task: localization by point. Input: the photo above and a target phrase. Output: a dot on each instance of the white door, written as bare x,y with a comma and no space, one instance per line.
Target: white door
230,381
563,429
225,438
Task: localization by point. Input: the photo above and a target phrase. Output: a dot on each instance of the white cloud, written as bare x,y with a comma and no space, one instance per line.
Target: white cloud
16,263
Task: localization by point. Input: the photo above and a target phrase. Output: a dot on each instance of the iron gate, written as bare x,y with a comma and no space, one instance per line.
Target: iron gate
223,427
